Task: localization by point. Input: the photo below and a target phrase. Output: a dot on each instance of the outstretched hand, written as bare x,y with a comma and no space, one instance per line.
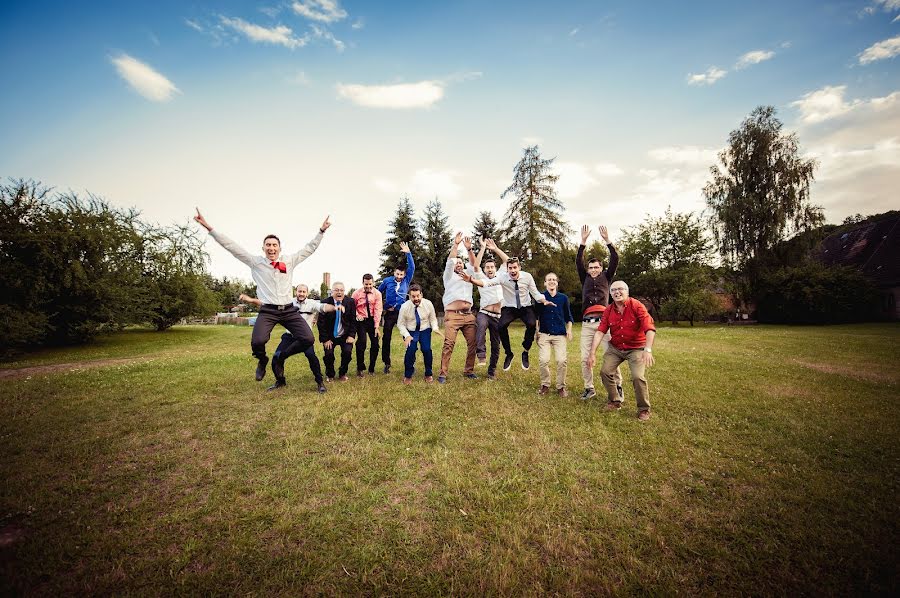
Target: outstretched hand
585,233
604,234
465,276
489,243
325,224
467,241
404,247
201,220
457,239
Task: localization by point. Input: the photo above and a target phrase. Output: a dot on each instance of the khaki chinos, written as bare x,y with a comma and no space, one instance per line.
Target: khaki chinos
611,360
548,344
454,321
587,338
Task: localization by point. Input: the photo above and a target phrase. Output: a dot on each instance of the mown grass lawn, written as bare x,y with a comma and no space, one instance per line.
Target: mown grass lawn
771,466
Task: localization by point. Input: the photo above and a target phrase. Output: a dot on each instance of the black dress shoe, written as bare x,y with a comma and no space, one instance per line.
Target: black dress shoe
261,368
322,389
278,384
507,362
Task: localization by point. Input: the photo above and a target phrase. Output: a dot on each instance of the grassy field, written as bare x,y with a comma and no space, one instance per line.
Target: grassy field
771,466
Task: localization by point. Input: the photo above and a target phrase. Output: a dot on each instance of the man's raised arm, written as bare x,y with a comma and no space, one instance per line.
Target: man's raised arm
311,247
493,247
229,245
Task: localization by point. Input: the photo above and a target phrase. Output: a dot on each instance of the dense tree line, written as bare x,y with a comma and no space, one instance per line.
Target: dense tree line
73,267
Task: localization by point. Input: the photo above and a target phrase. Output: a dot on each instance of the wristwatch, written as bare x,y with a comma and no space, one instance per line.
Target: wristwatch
648,349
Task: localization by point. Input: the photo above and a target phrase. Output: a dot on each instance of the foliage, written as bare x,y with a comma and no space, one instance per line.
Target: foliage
668,260
812,293
485,226
227,290
760,194
402,228
534,222
430,262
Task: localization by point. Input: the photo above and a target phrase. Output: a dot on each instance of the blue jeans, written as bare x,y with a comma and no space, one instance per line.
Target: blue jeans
422,337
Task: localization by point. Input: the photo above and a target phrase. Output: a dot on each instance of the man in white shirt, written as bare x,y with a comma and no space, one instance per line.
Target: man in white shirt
273,287
458,314
309,309
488,318
416,320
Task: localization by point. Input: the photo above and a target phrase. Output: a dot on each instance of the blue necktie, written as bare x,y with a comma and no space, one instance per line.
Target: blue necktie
337,319
418,319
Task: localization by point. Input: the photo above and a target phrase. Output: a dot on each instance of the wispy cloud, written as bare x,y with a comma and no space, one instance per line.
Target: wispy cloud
270,11
576,178
753,57
884,49
358,23
421,94
425,183
321,33
193,25
324,11
711,75
823,104
398,96
607,169
144,79
684,154
279,35
574,32
298,78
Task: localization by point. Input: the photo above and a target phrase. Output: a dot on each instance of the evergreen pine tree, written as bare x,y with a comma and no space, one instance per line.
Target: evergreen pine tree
402,227
436,240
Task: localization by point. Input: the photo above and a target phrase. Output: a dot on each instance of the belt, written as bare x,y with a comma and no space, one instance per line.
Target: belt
489,313
278,307
592,319
462,312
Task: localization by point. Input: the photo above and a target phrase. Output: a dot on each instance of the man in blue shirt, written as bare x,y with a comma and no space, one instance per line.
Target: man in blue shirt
394,289
553,331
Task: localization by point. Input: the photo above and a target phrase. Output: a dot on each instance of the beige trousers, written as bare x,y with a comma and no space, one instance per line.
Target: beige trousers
611,361
548,345
587,337
453,323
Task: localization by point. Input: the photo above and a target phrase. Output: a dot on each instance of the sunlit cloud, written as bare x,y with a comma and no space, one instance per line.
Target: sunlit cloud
884,49
398,96
193,25
425,184
754,57
358,23
327,35
823,104
324,11
576,178
279,35
711,75
148,82
684,154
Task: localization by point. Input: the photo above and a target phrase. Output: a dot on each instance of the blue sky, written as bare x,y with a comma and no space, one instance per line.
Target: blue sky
270,115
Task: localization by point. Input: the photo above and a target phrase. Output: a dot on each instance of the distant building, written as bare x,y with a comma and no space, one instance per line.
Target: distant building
873,248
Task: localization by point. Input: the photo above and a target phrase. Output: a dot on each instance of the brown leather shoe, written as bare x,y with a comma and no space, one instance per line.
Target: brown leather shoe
613,405
644,415
407,380
544,390
562,392
343,378
429,379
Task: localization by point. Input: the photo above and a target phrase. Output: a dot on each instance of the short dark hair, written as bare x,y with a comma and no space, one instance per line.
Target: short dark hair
415,287
401,267
271,237
512,260
368,277
490,259
593,259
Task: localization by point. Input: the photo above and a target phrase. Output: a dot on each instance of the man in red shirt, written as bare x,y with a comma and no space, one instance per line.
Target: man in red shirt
632,332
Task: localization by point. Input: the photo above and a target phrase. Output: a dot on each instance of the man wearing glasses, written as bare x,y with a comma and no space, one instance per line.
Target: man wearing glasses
632,333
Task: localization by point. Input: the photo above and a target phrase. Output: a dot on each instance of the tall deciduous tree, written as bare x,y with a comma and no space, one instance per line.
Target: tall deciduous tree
436,239
759,195
534,223
402,228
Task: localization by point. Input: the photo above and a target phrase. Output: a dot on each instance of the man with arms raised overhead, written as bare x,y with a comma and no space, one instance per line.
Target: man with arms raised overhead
394,289
272,276
594,299
458,316
633,332
488,318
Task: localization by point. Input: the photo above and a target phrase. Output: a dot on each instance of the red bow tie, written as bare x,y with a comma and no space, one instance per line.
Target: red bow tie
280,266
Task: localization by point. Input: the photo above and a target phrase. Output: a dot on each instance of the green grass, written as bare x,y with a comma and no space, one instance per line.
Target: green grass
770,467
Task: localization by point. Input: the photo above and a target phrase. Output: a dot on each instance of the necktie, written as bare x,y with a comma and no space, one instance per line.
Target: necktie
368,312
280,266
518,299
418,319
337,319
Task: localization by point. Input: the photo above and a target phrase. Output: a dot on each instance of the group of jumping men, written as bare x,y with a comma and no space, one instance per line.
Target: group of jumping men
624,329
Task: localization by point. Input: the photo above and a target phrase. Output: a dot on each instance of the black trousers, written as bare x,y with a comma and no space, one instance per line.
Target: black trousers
366,332
390,320
483,324
290,318
291,346
346,356
526,314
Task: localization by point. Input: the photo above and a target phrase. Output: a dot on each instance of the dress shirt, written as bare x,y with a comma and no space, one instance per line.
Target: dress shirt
455,288
406,319
272,287
359,295
554,317
309,308
527,288
395,292
629,329
489,295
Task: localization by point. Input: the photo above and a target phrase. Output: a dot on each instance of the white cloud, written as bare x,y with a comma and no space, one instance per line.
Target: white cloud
278,35
399,96
576,178
574,32
884,49
425,184
270,11
889,5
324,11
607,169
685,154
823,104
358,23
327,35
711,75
298,78
754,57
193,25
144,79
